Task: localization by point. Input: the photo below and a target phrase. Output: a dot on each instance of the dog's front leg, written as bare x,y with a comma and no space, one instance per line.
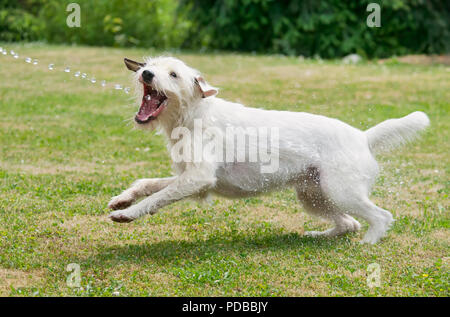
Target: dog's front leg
140,188
186,185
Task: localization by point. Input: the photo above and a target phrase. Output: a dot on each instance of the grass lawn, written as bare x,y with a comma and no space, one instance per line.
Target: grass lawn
68,146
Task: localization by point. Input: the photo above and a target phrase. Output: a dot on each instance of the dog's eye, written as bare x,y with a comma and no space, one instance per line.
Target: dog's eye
173,74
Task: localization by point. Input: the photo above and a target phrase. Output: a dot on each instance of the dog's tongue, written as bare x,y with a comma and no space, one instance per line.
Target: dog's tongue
150,106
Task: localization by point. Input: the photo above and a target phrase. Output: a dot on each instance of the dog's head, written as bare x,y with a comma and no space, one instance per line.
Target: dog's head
168,85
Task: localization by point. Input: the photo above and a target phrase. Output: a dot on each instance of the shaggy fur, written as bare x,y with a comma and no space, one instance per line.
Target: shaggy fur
330,164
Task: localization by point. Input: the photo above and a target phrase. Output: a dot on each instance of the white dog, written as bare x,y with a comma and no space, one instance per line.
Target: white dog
330,164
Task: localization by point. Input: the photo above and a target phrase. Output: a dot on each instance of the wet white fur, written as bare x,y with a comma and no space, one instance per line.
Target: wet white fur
330,164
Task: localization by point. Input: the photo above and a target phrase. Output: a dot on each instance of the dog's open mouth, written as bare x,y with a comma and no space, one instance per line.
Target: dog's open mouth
153,102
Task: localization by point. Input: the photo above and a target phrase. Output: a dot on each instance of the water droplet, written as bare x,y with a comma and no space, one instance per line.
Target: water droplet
93,80
118,86
84,75
67,69
35,62
12,52
1,49
51,66
77,74
103,83
5,53
16,56
127,90
28,60
148,97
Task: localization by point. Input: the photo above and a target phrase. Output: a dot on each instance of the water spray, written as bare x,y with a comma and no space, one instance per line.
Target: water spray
66,69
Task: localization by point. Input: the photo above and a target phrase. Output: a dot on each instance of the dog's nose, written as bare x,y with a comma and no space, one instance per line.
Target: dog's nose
147,76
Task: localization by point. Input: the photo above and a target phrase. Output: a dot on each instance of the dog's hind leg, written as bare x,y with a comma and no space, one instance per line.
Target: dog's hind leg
343,224
140,188
350,195
379,220
315,202
318,205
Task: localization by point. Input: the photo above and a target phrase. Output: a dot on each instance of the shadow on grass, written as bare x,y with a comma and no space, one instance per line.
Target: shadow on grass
237,245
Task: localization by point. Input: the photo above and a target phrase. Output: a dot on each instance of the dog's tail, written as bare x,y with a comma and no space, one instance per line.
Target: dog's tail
394,132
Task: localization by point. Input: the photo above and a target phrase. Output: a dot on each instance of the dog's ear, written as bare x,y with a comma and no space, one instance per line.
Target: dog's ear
132,65
206,89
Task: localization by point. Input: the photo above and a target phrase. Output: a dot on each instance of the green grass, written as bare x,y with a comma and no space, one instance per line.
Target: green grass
67,146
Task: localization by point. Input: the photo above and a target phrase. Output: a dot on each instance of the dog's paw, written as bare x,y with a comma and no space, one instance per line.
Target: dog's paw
370,238
368,241
314,234
120,202
120,216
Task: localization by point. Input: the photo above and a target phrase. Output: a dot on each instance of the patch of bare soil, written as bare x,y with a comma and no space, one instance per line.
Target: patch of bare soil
17,279
421,59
